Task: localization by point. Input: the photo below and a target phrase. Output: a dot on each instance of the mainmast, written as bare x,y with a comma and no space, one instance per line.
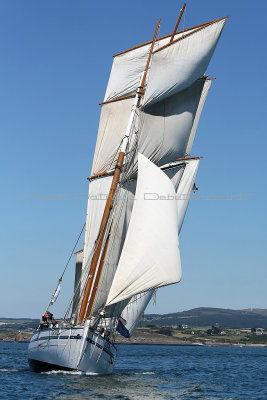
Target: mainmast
94,274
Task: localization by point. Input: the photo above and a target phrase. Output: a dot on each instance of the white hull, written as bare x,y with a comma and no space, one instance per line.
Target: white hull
71,349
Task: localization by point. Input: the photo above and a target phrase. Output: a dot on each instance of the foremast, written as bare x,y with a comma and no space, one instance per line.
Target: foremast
95,268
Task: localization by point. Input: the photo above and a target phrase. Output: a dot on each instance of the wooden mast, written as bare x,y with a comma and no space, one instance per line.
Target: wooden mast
149,58
90,280
177,23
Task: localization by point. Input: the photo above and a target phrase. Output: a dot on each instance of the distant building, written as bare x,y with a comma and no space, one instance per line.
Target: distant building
257,331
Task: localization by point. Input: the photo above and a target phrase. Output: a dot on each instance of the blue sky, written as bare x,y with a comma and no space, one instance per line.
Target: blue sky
55,62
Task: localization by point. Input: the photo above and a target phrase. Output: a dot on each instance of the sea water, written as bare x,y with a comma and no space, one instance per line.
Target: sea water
144,372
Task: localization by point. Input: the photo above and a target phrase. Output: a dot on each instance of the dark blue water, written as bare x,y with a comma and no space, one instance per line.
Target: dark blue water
144,372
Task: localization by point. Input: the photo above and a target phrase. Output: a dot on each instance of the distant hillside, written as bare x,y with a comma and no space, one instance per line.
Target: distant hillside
202,317
18,323
205,316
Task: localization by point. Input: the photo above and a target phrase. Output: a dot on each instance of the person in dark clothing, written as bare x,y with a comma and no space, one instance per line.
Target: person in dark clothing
43,322
47,318
51,318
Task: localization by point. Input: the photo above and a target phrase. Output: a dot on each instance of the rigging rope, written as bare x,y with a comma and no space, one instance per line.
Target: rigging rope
61,277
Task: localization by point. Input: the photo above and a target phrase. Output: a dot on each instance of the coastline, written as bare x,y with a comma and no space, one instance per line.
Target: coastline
167,343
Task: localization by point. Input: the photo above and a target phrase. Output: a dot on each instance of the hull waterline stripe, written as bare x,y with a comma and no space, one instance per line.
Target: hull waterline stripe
101,347
55,338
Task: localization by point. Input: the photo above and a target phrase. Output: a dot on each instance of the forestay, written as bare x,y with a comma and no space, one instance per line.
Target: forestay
149,260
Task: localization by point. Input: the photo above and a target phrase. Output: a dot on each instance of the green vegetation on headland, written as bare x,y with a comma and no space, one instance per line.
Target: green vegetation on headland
9,329
207,316
197,336
241,328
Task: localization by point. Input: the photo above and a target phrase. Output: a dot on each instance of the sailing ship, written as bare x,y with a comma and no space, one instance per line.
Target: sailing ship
140,186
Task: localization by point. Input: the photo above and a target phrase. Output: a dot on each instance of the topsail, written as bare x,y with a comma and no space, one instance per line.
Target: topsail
180,63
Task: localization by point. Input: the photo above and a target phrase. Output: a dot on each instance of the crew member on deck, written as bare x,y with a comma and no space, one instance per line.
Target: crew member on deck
46,319
43,322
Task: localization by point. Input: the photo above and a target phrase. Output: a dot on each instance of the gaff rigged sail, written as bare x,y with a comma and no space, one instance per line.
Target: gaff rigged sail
181,63
163,129
127,66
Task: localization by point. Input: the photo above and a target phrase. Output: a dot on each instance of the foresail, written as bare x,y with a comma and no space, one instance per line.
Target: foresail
181,63
150,257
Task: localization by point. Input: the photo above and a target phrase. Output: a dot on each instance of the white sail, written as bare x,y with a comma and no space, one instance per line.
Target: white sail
138,303
150,257
120,221
203,97
97,196
124,205
127,67
113,123
163,129
166,126
185,189
134,310
181,63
